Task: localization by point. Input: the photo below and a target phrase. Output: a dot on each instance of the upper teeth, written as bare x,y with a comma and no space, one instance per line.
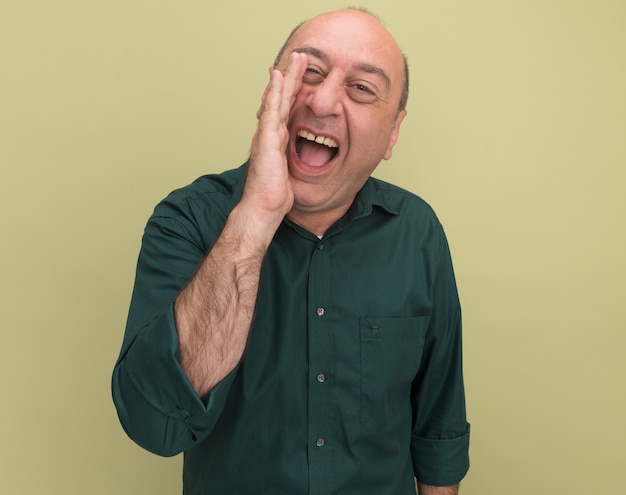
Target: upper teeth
331,143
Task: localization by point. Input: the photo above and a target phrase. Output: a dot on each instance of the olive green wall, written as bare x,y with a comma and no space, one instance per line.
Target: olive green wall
516,135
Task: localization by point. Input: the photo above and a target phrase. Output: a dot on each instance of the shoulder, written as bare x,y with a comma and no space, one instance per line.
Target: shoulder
401,202
215,192
197,212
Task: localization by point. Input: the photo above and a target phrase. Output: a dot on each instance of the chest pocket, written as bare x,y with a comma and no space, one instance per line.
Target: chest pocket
391,352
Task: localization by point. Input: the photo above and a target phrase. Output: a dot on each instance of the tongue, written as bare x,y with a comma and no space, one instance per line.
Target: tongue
314,154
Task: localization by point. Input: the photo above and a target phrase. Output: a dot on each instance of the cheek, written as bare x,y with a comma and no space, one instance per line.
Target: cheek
373,140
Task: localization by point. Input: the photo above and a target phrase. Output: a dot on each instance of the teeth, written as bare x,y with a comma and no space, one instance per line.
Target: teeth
331,143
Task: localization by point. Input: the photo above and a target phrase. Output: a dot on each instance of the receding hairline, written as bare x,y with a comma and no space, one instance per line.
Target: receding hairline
405,87
372,69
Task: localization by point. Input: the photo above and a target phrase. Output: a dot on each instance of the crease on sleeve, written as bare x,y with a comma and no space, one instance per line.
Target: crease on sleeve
157,405
441,462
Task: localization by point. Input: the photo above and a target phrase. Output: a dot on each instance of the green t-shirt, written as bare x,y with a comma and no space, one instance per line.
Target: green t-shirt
351,382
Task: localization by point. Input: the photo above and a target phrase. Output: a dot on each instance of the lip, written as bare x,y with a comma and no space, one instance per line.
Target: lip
299,167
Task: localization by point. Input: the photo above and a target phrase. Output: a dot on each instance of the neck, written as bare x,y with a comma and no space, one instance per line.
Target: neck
316,222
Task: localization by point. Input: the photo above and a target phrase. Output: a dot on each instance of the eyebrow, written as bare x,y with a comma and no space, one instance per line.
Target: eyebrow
369,68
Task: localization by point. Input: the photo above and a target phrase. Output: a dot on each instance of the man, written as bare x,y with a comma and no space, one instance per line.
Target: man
295,326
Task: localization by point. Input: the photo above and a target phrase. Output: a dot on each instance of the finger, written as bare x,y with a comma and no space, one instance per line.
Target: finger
296,67
283,87
268,113
265,91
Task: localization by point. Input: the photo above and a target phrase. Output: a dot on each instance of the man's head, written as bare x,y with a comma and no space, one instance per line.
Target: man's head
405,89
347,114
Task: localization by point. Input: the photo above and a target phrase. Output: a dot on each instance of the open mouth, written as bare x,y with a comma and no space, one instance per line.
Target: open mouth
315,151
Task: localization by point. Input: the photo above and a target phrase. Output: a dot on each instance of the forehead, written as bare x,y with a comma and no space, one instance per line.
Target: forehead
350,39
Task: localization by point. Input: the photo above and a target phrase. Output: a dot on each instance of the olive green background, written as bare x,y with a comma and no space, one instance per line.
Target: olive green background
516,135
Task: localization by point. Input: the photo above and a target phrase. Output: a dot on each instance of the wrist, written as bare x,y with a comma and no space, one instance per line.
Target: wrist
252,229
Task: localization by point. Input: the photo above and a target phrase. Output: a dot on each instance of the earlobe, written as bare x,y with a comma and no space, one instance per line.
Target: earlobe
395,132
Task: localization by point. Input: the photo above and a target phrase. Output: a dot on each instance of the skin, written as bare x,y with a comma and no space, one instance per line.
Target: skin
340,76
343,96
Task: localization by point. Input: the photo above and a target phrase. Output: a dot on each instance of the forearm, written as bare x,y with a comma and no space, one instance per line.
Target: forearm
437,490
214,310
156,402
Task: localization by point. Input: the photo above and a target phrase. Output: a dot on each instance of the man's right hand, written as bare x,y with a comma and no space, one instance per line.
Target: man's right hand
214,310
267,195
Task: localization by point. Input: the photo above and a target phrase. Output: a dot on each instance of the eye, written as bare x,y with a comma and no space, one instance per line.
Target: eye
313,75
362,93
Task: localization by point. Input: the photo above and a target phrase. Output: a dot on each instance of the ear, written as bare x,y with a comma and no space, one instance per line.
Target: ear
395,132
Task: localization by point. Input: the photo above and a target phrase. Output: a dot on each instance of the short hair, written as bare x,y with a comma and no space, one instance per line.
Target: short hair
404,97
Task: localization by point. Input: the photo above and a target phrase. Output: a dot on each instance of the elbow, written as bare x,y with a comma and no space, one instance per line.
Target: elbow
150,428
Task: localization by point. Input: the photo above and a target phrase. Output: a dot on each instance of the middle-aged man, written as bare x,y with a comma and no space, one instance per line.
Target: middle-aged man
295,326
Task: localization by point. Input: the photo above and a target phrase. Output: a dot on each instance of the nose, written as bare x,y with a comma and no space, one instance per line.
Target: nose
325,98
